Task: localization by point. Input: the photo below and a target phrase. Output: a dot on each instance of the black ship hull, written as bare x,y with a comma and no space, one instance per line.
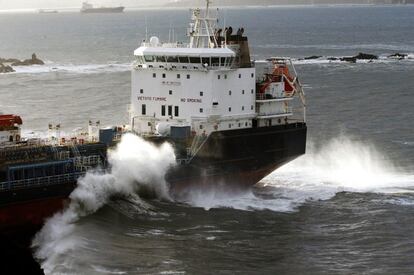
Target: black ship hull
227,159
239,158
22,214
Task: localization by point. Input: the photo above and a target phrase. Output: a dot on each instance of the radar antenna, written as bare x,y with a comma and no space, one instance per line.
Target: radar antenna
201,31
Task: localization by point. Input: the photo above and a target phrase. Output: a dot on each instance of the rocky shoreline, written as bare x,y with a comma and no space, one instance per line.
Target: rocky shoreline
6,64
359,56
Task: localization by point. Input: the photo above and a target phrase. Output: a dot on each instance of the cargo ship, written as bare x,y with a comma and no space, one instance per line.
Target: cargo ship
231,121
89,8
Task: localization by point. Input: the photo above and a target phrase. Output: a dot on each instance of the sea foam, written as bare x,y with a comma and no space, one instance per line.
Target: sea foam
341,164
135,164
51,67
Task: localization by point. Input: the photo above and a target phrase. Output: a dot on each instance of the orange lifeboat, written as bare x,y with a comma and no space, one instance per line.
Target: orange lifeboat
279,72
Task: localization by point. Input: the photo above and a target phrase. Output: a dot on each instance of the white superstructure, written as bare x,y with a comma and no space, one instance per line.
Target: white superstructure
208,84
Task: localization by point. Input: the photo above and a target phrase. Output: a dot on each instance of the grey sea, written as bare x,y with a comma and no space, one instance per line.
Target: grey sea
346,207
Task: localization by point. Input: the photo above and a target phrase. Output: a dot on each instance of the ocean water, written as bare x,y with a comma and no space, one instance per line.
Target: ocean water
345,207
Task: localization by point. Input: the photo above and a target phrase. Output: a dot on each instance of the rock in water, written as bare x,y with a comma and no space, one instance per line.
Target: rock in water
351,59
27,62
36,61
366,56
8,60
398,55
360,56
312,57
6,68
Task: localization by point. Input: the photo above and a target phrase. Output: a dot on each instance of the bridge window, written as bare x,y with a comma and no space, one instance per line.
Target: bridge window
201,110
205,60
242,92
163,110
170,110
172,59
144,109
188,76
223,61
242,108
163,75
215,61
239,75
229,92
154,75
195,60
225,76
201,93
218,77
160,59
176,111
140,59
229,109
170,92
141,91
252,75
252,91
178,76
149,58
183,59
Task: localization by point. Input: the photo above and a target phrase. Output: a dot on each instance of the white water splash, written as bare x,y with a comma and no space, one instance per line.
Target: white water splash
135,163
340,165
348,165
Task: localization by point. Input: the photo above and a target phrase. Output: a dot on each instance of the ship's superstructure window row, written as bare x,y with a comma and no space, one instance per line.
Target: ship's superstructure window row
215,61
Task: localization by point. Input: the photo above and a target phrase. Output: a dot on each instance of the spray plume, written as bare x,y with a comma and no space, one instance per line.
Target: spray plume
341,164
135,164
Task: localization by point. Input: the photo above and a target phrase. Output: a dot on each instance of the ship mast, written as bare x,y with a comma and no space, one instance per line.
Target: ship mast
201,29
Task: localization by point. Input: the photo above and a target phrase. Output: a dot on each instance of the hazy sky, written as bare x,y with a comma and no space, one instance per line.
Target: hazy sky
35,4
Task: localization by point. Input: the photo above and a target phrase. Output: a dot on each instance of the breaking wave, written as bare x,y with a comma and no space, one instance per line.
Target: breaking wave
341,165
135,164
50,67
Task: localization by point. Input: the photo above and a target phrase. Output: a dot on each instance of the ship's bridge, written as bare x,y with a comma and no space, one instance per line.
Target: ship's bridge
180,56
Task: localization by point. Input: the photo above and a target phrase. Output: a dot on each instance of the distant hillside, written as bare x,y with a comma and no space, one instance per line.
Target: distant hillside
189,3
